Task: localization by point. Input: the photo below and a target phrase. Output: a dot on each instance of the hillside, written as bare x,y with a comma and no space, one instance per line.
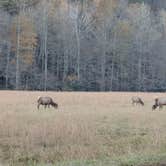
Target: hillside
94,45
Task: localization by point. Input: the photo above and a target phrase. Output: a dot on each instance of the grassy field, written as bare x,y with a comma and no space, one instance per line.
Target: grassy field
88,129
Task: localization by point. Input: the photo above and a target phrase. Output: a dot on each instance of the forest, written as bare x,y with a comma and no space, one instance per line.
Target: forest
83,45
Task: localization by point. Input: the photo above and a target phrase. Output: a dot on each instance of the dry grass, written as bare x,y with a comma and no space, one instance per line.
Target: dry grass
87,126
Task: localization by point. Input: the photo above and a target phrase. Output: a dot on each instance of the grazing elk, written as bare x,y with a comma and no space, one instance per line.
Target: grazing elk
159,102
137,100
46,101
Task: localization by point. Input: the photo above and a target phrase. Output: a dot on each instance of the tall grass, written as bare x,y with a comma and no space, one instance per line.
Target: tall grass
92,128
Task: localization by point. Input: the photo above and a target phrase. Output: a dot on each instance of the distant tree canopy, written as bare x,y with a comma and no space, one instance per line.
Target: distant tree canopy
90,45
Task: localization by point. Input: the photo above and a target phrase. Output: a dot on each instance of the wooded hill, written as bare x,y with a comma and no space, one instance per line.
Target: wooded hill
87,45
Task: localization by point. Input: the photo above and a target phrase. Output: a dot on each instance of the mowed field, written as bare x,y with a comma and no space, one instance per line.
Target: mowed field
88,129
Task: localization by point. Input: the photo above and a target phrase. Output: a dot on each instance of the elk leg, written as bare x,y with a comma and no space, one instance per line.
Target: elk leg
160,107
133,103
38,106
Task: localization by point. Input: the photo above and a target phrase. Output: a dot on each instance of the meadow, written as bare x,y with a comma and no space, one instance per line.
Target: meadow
88,129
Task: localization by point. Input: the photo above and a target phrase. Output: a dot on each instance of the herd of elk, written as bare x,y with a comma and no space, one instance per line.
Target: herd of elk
48,101
159,102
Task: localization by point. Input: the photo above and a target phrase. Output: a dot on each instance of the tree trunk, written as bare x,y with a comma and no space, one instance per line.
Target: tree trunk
78,47
112,75
18,52
65,44
7,64
103,59
140,67
113,56
45,49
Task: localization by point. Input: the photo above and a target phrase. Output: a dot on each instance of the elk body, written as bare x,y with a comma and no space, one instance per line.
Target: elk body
47,102
137,100
159,102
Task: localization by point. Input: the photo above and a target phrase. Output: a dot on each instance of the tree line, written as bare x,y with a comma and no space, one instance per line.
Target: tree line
83,45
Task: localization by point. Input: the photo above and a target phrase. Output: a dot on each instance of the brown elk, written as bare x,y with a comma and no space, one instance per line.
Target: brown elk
46,101
159,102
137,100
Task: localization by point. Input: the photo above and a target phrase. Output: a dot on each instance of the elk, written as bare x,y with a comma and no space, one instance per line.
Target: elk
46,101
159,102
137,100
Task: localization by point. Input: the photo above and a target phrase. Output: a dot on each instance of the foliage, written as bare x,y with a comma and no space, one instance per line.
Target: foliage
112,45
